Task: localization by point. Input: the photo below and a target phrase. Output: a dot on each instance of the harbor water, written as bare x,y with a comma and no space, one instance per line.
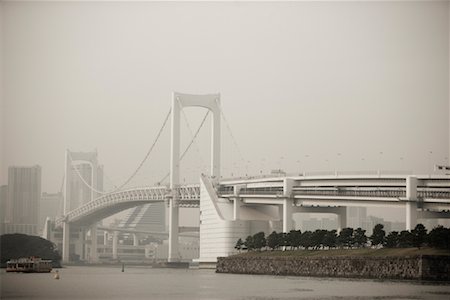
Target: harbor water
148,283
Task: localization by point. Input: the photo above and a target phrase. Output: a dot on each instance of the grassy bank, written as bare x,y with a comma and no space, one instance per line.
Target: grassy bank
350,252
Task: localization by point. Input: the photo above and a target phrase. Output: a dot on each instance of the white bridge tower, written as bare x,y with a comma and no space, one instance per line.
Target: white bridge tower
179,101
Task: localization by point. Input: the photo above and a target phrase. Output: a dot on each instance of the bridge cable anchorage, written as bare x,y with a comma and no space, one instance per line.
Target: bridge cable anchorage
202,162
137,169
232,136
189,145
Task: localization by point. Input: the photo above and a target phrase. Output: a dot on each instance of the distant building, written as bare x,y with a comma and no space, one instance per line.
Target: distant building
313,224
356,216
23,197
149,217
50,206
3,199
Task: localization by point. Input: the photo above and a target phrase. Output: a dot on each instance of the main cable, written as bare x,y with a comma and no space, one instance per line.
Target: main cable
189,145
137,169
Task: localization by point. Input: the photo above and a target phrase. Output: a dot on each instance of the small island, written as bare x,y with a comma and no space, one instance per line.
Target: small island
414,254
15,246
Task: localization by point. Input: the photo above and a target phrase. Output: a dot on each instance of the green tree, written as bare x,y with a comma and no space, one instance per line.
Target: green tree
273,240
295,238
239,245
378,235
405,239
283,239
249,243
317,238
439,237
392,240
419,235
359,237
330,238
306,239
259,240
345,237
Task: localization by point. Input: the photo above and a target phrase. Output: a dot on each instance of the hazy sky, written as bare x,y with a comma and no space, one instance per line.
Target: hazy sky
304,85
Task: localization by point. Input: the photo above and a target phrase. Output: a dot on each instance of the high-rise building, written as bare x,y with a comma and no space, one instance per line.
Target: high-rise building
3,199
50,206
22,205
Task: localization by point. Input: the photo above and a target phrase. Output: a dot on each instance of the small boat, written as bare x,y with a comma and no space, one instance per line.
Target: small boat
29,265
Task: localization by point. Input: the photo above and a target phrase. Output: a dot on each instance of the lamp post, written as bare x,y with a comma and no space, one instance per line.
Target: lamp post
379,163
429,161
337,160
306,159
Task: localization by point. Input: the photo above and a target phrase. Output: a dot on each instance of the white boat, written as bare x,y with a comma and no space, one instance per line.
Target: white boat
29,265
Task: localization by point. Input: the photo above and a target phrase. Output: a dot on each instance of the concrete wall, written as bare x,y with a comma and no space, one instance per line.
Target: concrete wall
417,267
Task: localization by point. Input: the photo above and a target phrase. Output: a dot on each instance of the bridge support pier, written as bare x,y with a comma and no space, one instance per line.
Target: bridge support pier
83,244
105,238
66,242
287,214
94,251
237,202
135,240
342,218
115,241
411,202
173,229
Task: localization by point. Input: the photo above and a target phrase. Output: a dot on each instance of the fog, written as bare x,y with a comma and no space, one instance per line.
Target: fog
305,86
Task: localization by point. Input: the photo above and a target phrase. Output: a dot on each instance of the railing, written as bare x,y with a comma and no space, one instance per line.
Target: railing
381,193
354,193
188,196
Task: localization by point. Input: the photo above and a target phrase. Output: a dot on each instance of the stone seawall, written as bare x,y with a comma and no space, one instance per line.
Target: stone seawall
422,267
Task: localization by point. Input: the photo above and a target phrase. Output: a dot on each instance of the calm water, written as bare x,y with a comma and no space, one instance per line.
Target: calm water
147,283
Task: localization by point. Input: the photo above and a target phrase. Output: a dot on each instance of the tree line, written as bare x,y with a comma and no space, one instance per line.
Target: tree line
348,238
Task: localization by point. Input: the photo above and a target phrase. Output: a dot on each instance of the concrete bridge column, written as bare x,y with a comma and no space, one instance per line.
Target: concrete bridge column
105,237
411,202
83,244
287,214
342,218
66,242
173,228
115,241
135,239
237,202
288,203
94,250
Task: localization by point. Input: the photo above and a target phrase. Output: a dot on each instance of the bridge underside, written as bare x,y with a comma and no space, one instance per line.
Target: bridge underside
98,215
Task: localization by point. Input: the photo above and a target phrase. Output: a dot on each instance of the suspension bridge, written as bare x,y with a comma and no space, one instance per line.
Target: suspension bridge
232,208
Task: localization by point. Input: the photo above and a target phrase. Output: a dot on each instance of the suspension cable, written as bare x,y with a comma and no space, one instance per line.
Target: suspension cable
202,162
189,145
232,136
137,169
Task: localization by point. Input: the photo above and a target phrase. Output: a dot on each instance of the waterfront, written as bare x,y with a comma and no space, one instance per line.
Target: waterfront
147,283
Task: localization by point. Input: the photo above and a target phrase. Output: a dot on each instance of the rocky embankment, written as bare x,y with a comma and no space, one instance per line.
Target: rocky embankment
421,267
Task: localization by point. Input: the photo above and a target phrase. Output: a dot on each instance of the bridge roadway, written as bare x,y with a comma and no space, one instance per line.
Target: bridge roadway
110,204
433,194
